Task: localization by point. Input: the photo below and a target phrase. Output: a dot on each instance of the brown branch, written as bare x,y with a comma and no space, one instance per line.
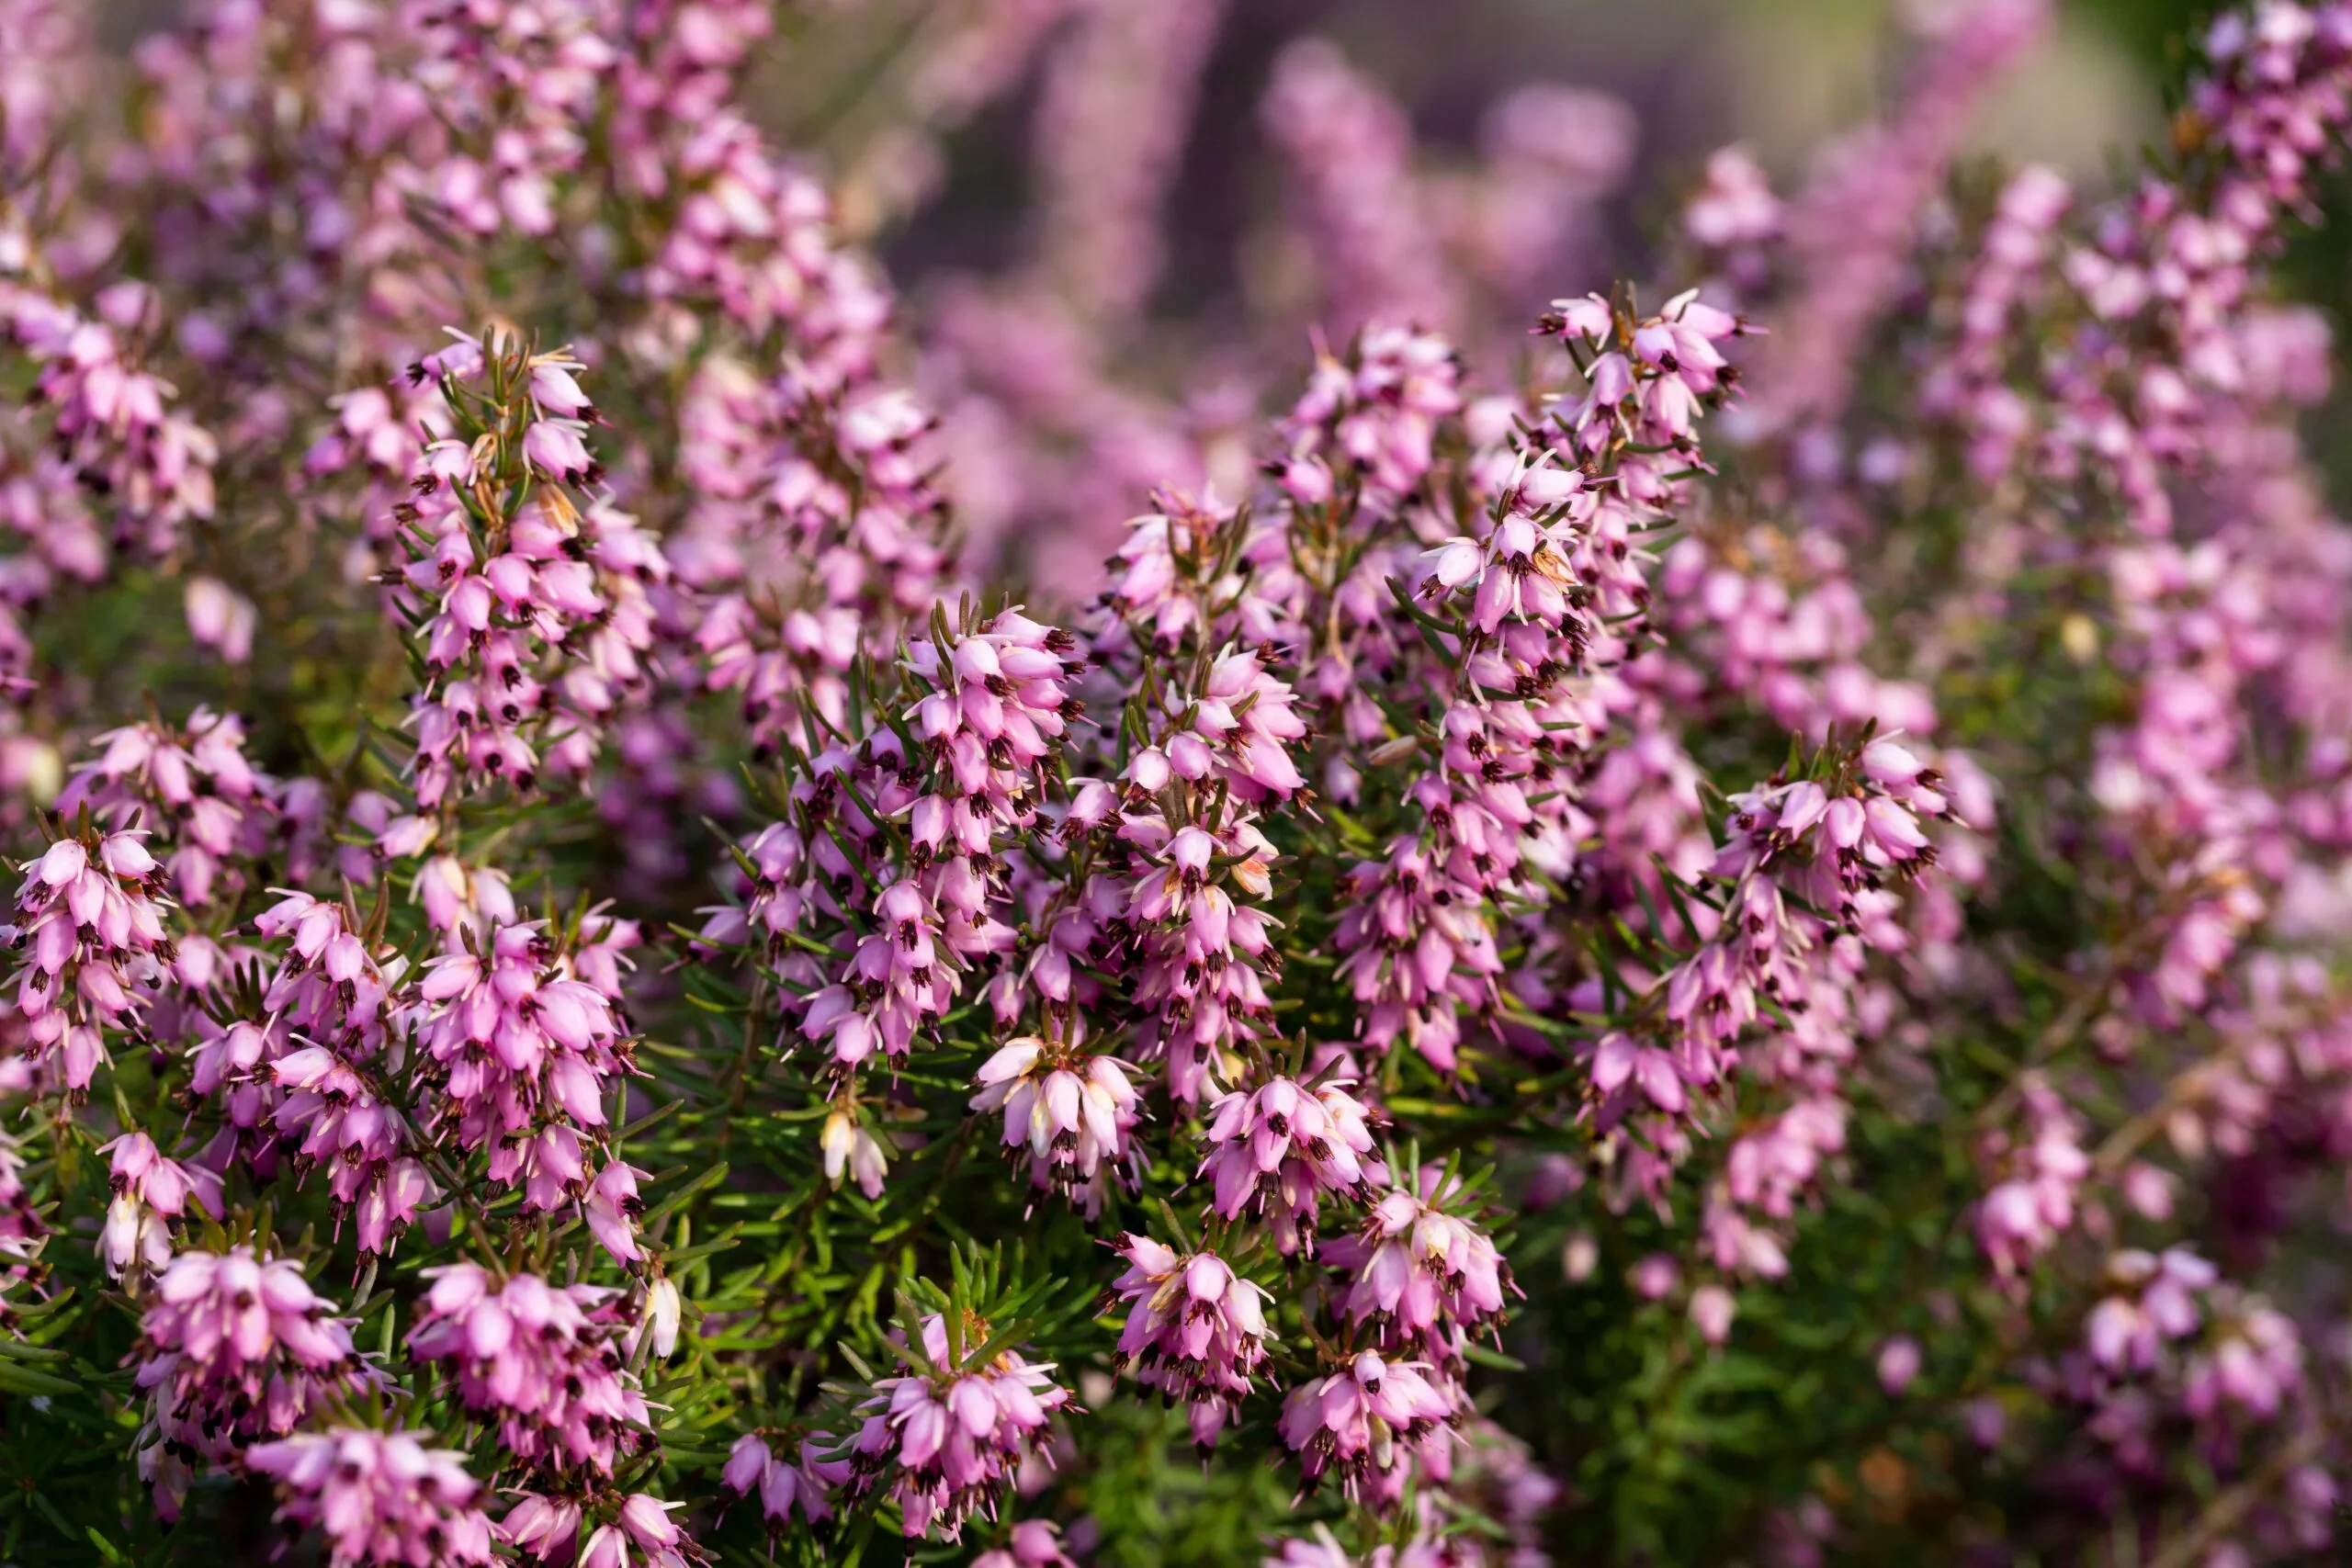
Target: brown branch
2227,1508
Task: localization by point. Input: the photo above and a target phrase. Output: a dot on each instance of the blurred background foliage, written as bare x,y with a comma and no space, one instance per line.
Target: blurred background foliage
1781,76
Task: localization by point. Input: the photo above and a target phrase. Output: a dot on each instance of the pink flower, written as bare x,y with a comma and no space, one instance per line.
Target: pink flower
1655,1276
2022,1215
543,1362
1711,1310
529,1044
221,618
948,1432
382,1497
1034,1543
211,808
802,1485
611,1209
233,1347
1274,1149
993,707
2158,1304
1195,889
554,448
544,1528
1898,1363
90,927
535,639
2253,1360
1361,1419
645,1520
1423,1277
1073,1113
852,1150
148,1191
1195,1330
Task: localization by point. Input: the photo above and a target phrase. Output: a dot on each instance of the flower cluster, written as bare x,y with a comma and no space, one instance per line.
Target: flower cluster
534,616
90,925
1420,1276
1356,1418
194,787
541,1360
1195,1330
1073,1112
960,766
382,1497
941,1439
1275,1150
530,1039
234,1346
801,1486
148,1191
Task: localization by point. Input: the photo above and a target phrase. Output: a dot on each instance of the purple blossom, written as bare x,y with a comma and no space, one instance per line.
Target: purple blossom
1195,1330
1276,1149
1073,1111
802,1486
530,1044
233,1347
1898,1363
1360,1419
380,1497
1420,1272
148,1191
1033,1543
90,925
942,1437
542,1361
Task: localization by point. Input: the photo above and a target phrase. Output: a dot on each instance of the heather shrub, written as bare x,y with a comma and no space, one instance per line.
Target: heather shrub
660,917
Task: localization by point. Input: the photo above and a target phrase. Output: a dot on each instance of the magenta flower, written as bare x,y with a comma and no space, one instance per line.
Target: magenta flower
2023,1214
1420,1276
1274,1150
2157,1304
535,638
2250,1364
1195,1330
380,1498
1033,1543
853,1150
331,1118
801,1486
1384,776
210,808
543,1362
1361,1419
942,1437
91,926
1711,1310
1205,955
993,707
544,1528
1073,1111
530,1038
1898,1363
148,1191
233,1347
